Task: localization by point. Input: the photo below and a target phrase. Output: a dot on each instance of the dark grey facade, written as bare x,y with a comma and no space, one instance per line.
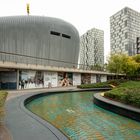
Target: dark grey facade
38,40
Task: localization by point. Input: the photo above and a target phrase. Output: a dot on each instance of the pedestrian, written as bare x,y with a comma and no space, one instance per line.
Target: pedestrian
22,84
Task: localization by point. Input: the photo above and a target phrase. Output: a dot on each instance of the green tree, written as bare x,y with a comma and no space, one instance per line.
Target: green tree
137,58
131,67
116,63
123,64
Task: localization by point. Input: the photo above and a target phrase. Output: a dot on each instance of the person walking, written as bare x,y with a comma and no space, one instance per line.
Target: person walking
22,84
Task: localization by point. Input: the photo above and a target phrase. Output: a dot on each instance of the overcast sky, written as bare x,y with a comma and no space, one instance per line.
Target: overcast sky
83,14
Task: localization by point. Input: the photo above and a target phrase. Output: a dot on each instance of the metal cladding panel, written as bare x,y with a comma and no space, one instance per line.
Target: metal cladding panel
55,49
68,51
28,39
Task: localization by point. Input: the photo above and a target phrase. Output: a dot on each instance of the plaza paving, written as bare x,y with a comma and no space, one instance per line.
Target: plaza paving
17,93
17,121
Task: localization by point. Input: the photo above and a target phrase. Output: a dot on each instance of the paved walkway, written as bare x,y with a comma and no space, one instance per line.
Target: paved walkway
17,93
21,125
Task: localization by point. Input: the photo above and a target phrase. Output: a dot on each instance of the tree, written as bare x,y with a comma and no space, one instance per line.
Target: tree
131,67
137,58
123,64
116,63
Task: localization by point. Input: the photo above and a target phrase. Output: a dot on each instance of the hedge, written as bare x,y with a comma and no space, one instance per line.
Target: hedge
3,95
128,92
95,85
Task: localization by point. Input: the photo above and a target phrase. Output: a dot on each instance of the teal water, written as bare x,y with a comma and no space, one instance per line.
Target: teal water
77,117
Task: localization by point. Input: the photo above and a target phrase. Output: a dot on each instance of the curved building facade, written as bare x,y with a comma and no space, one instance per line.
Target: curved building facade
40,52
38,40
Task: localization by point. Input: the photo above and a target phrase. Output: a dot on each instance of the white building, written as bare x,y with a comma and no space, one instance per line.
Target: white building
91,49
124,29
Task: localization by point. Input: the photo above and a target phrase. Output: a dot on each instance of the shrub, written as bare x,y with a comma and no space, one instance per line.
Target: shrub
95,85
128,92
116,82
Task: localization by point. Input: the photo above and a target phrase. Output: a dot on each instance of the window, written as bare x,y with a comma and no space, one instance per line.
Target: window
130,52
126,47
125,23
66,36
55,33
125,11
126,35
138,39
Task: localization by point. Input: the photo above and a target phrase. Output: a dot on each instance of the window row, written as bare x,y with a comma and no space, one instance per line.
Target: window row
58,34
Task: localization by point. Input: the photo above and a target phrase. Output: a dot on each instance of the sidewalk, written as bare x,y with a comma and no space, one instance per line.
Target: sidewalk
16,93
21,125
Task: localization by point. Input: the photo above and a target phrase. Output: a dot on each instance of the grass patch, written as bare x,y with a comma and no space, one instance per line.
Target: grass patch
95,85
3,95
128,92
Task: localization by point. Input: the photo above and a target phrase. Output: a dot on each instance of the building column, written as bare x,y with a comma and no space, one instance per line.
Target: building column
17,79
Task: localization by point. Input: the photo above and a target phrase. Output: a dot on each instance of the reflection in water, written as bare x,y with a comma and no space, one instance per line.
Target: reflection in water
77,116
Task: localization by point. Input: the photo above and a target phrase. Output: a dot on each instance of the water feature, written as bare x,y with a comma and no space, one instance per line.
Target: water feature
77,117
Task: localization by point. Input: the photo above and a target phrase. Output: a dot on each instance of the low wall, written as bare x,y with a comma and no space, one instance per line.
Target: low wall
117,107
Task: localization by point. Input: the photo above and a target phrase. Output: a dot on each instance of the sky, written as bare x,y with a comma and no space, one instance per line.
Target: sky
83,14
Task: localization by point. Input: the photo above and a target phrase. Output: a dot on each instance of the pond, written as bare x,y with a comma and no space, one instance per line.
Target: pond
79,118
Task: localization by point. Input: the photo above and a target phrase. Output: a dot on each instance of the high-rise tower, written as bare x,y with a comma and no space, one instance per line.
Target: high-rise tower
124,30
92,48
